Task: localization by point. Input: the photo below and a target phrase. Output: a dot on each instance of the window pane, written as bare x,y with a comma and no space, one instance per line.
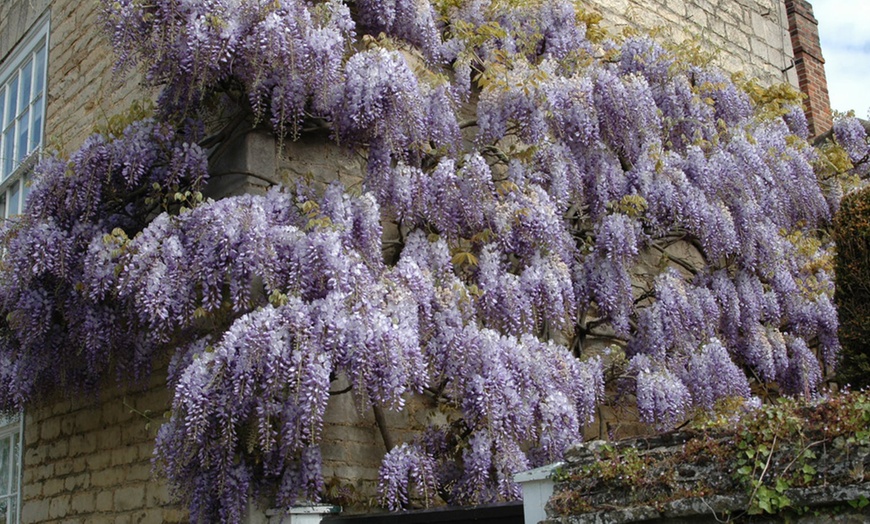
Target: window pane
16,461
25,190
26,77
8,151
2,104
13,199
3,205
39,82
5,455
23,135
36,131
4,515
13,100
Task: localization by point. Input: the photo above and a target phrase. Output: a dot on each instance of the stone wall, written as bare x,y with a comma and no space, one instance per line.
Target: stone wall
748,35
691,478
16,17
88,459
83,90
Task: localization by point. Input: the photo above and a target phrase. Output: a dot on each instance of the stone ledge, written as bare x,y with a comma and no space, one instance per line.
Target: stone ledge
713,508
690,477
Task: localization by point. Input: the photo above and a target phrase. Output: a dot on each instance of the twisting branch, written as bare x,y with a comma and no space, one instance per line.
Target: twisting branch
675,259
248,173
341,391
381,421
498,153
222,137
606,336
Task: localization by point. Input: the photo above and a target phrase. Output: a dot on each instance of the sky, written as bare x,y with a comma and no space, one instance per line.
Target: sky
844,29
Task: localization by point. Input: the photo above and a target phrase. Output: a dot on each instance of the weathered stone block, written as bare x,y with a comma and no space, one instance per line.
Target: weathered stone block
98,461
129,498
82,444
49,429
151,516
36,511
83,502
59,506
77,482
87,420
108,478
124,455
103,501
157,494
52,486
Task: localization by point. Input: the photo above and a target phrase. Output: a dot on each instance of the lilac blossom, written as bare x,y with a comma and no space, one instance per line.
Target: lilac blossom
662,398
712,375
852,136
406,466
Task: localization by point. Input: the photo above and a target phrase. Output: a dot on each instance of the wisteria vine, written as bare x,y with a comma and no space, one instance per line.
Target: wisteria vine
552,194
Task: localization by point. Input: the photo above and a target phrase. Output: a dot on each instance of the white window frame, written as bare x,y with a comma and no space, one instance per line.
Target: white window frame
11,439
26,119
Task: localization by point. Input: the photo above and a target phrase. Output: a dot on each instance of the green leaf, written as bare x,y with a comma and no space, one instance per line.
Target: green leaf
464,258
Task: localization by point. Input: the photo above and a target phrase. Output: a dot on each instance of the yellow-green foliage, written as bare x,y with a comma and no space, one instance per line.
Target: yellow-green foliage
834,166
594,32
772,101
691,51
114,126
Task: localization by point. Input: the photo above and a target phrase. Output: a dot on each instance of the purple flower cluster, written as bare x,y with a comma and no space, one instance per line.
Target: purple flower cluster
405,467
65,326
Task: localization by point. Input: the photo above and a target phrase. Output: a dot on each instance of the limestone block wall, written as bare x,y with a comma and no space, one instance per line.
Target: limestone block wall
749,35
16,17
83,90
88,459
352,448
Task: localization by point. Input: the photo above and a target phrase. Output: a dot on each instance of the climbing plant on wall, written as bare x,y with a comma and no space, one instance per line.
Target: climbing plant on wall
553,192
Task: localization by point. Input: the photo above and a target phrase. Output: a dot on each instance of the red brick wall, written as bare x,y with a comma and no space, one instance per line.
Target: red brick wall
810,64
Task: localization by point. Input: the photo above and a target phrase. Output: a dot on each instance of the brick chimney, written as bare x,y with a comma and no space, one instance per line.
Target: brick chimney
809,64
